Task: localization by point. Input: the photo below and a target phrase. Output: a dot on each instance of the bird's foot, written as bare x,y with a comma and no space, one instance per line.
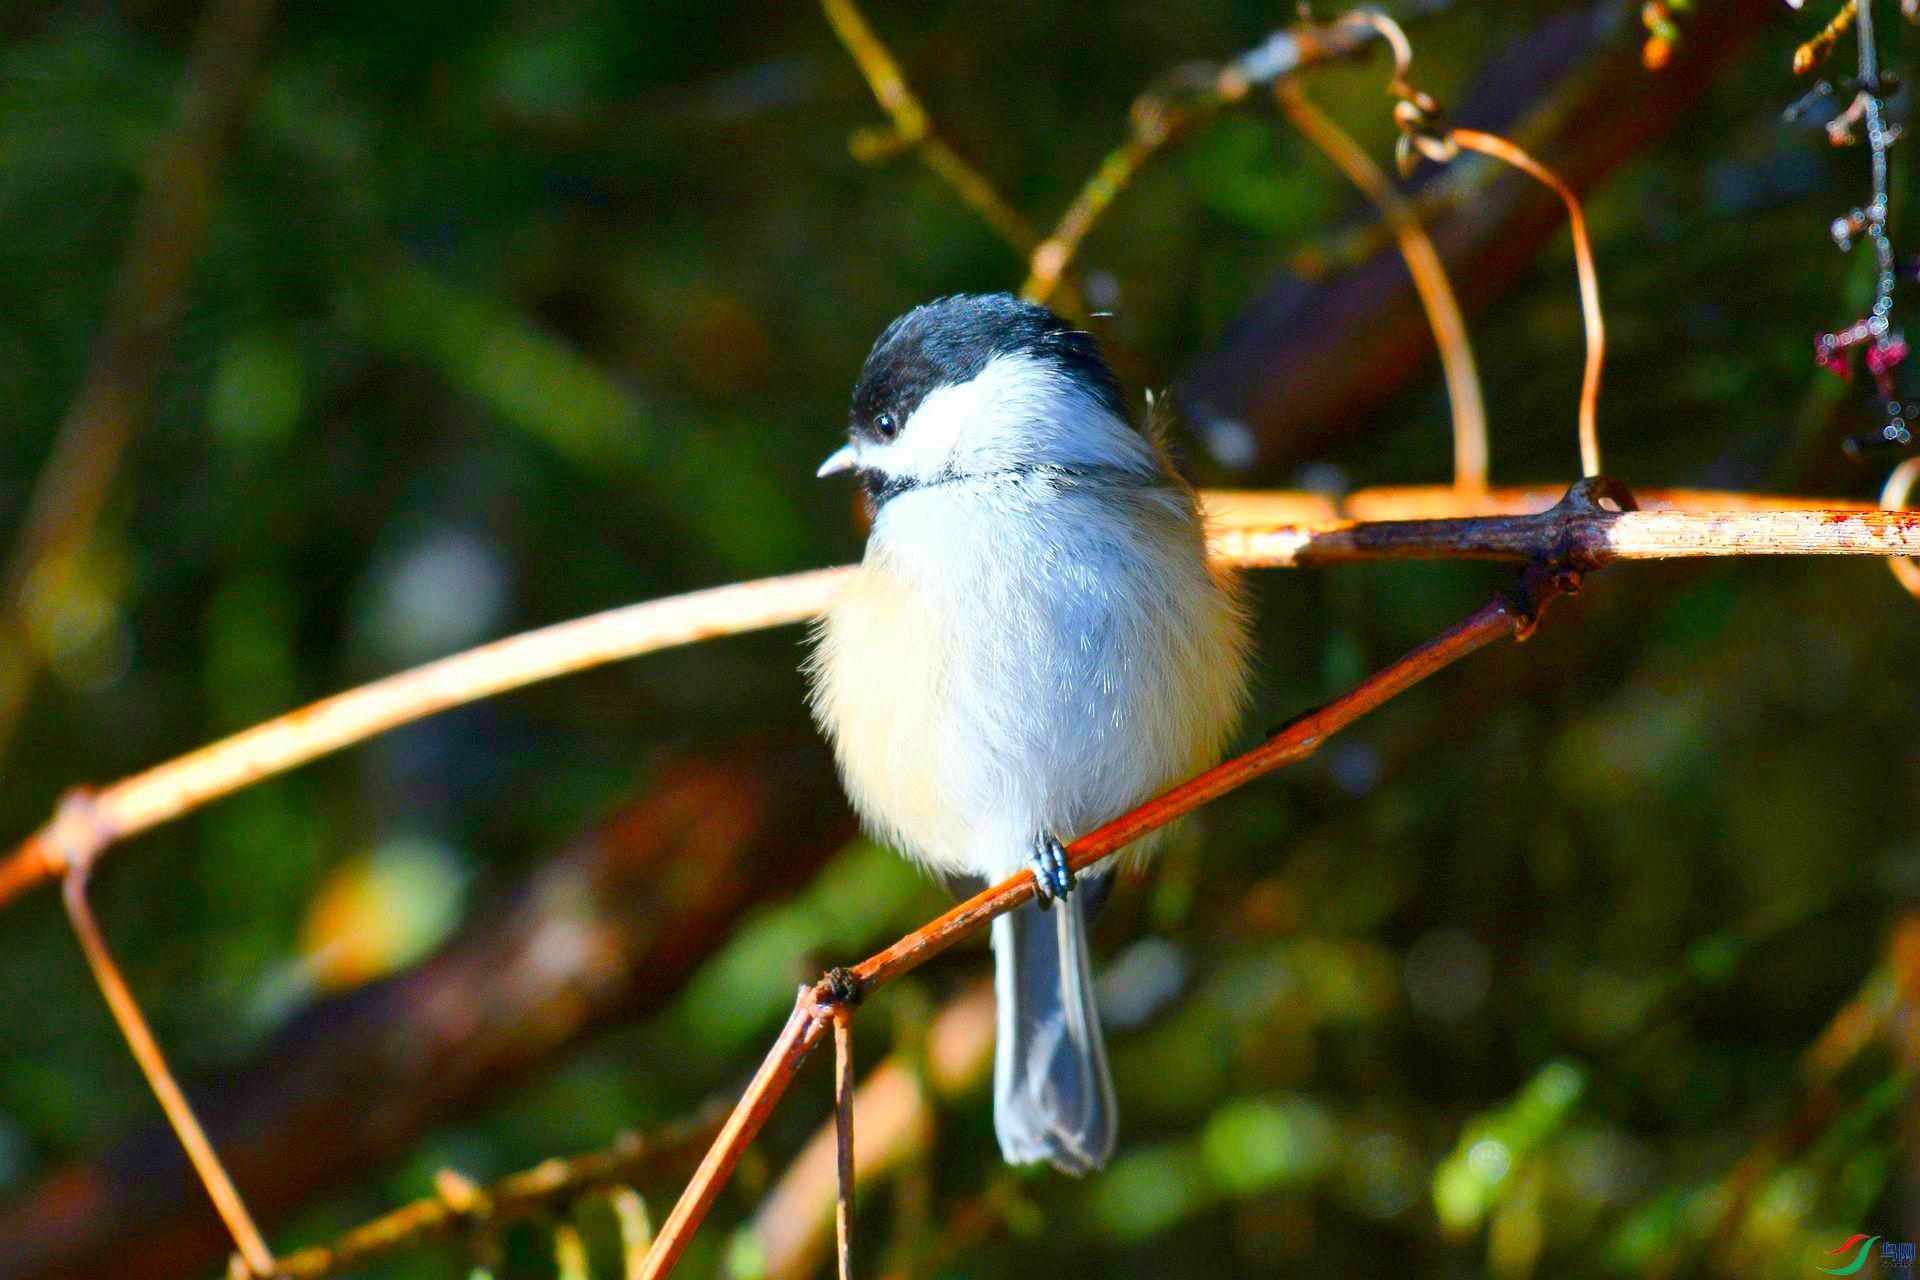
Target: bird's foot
1052,877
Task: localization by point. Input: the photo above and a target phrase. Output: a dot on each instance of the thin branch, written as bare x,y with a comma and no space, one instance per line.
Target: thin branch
88,823
547,1188
1437,298
818,1007
1814,51
153,1065
1282,378
1181,98
913,129
843,1136
604,926
1422,134
1308,530
894,1113
169,229
1501,149
805,1026
1590,539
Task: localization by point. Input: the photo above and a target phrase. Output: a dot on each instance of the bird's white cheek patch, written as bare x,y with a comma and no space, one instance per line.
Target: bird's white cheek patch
958,427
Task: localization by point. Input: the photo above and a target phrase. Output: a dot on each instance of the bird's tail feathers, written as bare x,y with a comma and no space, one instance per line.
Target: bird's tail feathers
1052,1093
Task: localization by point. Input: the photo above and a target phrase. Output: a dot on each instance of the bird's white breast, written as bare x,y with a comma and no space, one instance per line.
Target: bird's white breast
1025,653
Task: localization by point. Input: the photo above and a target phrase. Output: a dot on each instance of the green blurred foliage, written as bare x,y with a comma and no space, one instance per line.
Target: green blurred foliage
513,311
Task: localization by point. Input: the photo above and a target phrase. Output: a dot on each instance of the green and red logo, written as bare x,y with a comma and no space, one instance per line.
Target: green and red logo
1892,1256
1865,1244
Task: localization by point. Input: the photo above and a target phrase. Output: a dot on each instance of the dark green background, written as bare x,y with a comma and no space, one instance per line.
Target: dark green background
512,312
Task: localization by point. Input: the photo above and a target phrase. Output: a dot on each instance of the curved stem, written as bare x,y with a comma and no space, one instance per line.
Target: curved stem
1429,280
1500,149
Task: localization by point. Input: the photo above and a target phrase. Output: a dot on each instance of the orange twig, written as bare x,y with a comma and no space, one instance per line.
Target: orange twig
1421,134
1501,149
1429,280
894,1110
843,1134
167,791
797,1039
153,1065
1815,51
826,1002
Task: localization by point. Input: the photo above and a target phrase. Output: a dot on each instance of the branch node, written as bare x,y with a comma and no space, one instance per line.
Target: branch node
1575,549
76,834
839,989
1602,494
1540,584
461,1194
1573,554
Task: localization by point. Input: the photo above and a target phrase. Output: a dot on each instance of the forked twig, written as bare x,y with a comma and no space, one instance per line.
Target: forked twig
895,1110
1469,411
153,1065
821,1005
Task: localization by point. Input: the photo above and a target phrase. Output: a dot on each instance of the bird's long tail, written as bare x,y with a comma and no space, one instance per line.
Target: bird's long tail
1052,1093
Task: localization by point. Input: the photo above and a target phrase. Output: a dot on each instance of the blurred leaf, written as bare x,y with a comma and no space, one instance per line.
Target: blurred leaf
382,912
1475,1177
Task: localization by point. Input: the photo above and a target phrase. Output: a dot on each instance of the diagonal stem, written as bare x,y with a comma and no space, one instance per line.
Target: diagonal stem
797,1039
153,1065
829,1001
169,231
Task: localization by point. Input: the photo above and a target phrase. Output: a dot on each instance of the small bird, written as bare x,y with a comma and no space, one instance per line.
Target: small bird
1033,644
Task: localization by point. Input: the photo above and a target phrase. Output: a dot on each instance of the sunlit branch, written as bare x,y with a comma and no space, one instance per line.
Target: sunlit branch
1255,530
548,1187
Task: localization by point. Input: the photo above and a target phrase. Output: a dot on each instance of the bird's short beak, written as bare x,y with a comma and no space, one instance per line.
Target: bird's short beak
842,460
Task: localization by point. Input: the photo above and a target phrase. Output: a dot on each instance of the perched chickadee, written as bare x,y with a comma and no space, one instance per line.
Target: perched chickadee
1033,644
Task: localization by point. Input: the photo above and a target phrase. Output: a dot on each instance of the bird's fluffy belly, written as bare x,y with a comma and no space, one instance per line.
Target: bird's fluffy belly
977,698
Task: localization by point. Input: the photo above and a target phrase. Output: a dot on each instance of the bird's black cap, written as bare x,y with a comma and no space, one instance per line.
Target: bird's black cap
950,340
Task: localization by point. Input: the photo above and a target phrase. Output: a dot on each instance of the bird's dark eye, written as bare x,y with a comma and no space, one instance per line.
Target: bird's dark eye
886,426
